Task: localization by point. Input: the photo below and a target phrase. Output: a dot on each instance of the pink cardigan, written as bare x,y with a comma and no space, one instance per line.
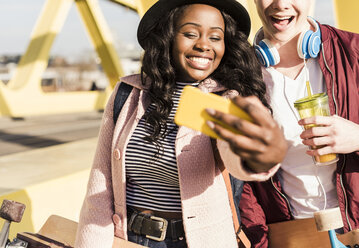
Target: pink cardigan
206,211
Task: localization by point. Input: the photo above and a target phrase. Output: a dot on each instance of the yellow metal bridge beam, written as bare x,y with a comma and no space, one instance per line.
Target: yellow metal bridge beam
346,12
101,38
127,3
140,6
34,62
23,95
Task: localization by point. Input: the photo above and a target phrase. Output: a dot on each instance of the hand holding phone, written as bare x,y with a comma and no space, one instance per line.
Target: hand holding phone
192,113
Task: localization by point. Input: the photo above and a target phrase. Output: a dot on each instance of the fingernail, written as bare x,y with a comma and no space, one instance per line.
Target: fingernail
210,111
210,124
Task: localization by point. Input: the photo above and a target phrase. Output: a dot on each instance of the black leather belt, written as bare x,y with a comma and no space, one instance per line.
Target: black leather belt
153,227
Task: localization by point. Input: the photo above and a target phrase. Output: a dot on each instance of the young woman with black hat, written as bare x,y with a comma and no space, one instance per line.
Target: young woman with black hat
158,184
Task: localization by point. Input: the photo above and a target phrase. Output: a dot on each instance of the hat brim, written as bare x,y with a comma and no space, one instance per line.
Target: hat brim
155,13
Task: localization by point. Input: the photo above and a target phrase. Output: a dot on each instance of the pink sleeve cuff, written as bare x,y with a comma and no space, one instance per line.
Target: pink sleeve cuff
235,166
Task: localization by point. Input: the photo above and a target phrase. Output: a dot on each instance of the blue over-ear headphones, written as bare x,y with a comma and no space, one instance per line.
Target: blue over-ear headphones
308,46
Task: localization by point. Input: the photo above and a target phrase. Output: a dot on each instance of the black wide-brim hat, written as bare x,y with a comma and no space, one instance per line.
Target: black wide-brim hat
155,13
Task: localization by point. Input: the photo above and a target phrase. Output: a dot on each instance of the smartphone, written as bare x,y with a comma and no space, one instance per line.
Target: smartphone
192,113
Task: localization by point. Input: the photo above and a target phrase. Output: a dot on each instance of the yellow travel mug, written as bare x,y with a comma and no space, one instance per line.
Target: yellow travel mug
313,106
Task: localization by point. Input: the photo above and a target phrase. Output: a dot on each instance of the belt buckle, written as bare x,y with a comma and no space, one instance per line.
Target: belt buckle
163,229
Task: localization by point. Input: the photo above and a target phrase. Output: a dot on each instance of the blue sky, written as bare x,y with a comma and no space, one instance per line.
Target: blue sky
18,17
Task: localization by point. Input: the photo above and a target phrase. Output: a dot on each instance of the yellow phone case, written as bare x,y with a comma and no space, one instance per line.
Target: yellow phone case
192,113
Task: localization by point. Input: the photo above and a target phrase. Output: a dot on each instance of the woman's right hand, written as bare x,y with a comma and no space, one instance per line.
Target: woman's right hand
261,143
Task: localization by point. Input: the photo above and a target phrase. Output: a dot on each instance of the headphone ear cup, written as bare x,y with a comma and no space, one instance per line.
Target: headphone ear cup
261,55
314,44
267,53
309,42
302,47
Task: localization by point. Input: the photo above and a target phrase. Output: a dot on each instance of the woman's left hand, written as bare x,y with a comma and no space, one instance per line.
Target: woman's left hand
336,134
262,144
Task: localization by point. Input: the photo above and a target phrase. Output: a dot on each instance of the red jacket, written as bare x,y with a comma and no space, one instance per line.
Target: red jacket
264,203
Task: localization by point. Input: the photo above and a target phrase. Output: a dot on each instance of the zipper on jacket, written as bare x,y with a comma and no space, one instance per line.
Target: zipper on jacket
281,194
345,195
344,157
331,74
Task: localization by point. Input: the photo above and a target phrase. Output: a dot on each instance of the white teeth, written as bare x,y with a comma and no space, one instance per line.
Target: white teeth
199,60
281,18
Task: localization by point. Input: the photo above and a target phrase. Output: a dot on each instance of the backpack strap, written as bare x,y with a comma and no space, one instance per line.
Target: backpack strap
122,94
243,241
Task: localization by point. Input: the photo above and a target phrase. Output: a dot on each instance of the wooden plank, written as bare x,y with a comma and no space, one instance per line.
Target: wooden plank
35,240
60,229
303,233
64,231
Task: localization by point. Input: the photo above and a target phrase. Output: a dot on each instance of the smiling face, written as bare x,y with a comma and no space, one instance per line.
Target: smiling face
198,45
283,19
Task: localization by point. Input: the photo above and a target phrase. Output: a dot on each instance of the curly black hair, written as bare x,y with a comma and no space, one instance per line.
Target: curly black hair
239,68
